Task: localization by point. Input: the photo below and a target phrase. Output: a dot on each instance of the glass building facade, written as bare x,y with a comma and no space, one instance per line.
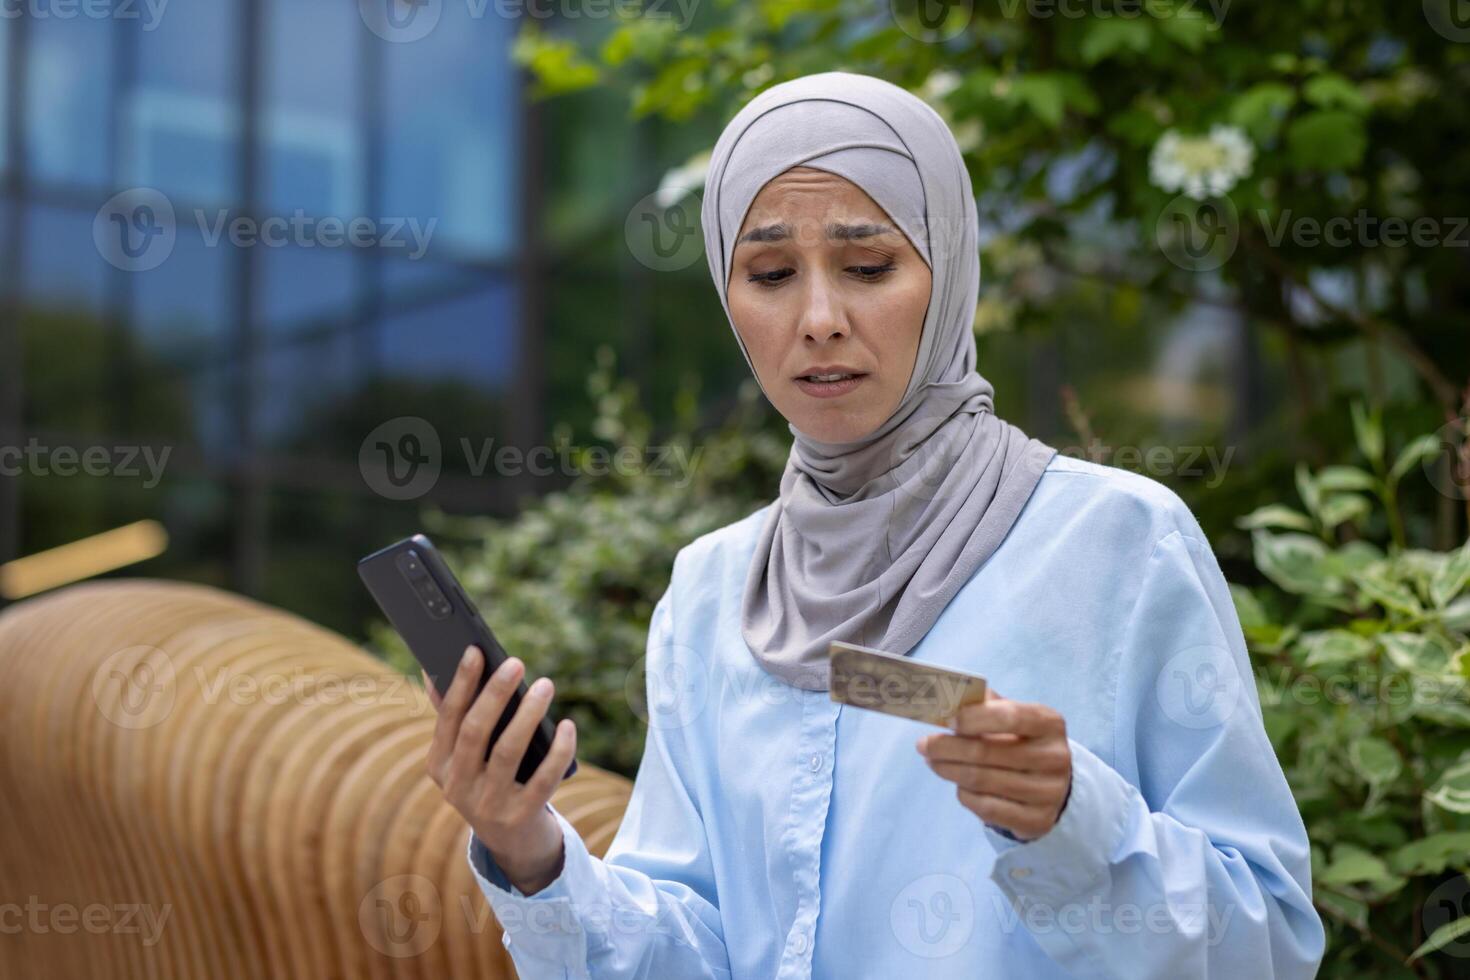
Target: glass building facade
237,236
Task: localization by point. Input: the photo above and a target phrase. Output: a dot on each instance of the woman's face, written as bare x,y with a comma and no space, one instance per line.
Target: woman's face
823,284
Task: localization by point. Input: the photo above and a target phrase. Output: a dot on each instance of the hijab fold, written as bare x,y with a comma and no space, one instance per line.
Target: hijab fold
869,540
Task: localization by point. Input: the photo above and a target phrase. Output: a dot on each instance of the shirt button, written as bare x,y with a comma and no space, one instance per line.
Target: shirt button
1020,872
816,763
799,942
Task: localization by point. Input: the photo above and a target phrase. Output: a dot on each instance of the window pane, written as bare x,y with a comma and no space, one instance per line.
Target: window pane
68,92
312,140
452,157
66,337
181,118
468,337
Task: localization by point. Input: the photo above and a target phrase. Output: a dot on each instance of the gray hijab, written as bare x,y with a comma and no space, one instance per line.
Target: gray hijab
869,540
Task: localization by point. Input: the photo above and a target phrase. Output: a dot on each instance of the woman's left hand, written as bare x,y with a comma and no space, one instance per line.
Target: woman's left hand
1010,762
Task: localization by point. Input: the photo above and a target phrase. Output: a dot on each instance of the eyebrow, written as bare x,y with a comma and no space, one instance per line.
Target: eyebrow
781,231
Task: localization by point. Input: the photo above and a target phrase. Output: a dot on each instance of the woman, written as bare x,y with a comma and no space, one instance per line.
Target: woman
1118,812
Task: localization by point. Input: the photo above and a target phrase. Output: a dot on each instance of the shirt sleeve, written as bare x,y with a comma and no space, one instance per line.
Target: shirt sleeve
1196,862
649,909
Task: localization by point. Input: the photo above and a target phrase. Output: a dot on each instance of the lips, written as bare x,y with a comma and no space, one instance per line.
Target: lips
830,384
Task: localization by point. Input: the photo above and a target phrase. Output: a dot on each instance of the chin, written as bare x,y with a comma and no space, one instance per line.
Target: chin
833,429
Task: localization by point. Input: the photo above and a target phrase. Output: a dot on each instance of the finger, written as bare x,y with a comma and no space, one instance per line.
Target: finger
1022,787
1000,715
510,747
1025,755
451,711
1023,820
480,721
543,783
430,690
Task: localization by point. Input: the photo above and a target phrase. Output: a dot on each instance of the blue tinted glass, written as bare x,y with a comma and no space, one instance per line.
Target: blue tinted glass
469,337
182,309
450,130
425,281
312,137
63,268
68,93
4,100
303,384
181,117
301,287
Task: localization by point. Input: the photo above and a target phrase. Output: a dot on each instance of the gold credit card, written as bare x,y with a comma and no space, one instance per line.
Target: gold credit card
878,681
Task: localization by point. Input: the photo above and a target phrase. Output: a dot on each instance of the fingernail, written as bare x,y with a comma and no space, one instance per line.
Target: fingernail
469,656
541,687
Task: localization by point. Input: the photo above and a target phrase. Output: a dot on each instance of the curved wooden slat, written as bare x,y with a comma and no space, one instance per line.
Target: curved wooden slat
174,746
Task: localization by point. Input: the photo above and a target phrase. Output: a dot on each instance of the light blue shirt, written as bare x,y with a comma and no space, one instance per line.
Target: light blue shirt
775,833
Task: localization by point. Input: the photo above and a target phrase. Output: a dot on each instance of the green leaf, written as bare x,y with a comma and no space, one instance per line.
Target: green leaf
1330,90
1415,652
1340,508
1368,431
1375,760
1261,110
1353,911
1295,562
1443,936
1337,478
1043,95
1277,516
1248,608
1109,36
1326,139
1376,582
1416,452
1451,579
1307,489
1351,865
1431,855
1332,647
1452,790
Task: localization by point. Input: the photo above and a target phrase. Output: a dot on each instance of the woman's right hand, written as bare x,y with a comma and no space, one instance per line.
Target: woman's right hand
511,819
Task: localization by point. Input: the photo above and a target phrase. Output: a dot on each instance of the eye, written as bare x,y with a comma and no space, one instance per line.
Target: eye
872,273
768,279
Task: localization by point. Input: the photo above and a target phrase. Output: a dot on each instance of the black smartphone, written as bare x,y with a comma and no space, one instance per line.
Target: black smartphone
423,600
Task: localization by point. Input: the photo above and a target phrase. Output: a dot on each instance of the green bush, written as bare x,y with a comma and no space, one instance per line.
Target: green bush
1361,660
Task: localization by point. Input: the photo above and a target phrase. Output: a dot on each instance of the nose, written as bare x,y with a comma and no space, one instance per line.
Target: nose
822,318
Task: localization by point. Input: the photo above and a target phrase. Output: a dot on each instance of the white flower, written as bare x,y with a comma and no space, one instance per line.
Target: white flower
682,180
939,84
1201,166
